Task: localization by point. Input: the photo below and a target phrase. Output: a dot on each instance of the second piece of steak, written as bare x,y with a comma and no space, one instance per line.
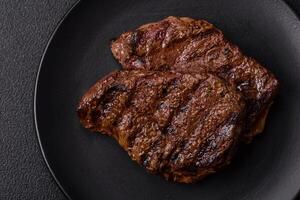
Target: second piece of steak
181,125
185,44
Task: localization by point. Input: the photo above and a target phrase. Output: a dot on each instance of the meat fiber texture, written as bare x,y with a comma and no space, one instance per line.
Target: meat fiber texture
183,101
184,126
189,45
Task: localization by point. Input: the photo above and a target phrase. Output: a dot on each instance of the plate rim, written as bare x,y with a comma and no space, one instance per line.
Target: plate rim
52,35
37,75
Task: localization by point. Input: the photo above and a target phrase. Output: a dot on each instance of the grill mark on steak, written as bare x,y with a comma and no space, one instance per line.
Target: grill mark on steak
167,90
185,98
113,101
192,120
220,148
88,108
197,46
185,124
175,85
135,109
201,133
190,90
197,126
143,139
182,107
215,143
178,127
186,142
205,43
129,113
107,112
136,36
144,51
133,97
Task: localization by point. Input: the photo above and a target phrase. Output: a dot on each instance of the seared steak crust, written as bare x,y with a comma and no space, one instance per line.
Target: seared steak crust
182,125
188,45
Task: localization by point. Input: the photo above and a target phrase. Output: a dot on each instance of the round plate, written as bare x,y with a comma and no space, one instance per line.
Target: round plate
93,166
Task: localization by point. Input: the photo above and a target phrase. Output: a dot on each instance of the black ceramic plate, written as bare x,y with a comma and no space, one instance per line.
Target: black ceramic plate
93,166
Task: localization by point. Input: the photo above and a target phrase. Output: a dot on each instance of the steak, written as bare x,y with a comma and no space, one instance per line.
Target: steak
181,125
188,45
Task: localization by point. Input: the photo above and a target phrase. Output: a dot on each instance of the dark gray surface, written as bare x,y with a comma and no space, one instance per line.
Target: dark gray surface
25,27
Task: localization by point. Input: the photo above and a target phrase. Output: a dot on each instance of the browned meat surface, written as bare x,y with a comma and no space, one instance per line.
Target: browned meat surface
185,44
182,125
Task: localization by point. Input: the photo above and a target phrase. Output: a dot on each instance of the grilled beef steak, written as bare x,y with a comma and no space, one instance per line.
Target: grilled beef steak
182,125
185,44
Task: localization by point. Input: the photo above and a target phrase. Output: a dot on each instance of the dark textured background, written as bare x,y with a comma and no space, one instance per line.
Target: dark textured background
25,28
